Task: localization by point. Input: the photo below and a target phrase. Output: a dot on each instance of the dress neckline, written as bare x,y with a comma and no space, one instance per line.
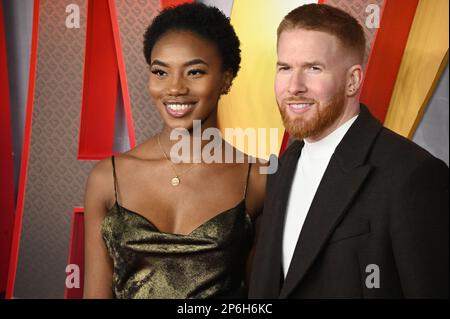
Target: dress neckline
208,221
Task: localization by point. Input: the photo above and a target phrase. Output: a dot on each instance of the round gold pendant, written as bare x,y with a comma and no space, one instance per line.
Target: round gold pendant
175,181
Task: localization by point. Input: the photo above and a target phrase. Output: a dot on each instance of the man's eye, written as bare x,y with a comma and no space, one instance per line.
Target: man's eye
283,68
158,72
315,69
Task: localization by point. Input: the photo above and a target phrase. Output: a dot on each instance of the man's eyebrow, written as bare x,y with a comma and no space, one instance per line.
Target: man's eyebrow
281,63
306,64
188,63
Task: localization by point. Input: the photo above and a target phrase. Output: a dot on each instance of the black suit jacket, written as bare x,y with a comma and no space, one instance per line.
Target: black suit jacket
382,204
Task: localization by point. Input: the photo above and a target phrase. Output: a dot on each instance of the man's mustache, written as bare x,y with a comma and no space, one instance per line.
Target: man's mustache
297,100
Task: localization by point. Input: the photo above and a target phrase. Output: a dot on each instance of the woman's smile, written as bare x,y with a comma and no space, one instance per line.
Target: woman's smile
179,109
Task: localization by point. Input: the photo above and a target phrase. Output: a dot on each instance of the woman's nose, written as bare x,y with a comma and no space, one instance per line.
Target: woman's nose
177,87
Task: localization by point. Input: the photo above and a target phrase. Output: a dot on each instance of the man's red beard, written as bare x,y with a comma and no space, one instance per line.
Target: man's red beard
324,116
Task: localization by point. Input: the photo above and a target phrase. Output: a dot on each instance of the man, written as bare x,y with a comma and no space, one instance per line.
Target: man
354,210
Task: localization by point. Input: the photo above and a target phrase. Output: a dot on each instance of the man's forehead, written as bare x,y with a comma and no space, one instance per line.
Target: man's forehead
308,43
311,37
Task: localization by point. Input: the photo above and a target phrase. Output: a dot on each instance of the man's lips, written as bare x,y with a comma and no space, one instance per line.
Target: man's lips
299,106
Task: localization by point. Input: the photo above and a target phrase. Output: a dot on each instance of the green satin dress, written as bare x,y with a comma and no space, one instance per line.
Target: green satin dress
207,263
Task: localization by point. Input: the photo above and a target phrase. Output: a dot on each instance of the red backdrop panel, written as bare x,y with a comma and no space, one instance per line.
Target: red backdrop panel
6,163
172,3
386,56
99,84
76,252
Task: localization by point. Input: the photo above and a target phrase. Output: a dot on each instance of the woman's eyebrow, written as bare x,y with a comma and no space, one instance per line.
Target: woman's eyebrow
188,63
158,62
195,61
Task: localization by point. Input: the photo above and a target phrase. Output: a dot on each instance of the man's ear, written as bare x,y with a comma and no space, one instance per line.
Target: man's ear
227,79
354,79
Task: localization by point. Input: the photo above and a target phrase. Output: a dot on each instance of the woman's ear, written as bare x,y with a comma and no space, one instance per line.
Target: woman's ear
354,80
227,79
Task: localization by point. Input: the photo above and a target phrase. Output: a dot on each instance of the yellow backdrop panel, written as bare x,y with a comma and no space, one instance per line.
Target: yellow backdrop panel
251,102
423,61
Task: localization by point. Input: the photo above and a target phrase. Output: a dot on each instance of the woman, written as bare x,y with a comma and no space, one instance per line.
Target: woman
156,229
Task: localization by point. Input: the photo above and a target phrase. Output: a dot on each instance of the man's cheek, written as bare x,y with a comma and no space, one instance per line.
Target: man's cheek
280,88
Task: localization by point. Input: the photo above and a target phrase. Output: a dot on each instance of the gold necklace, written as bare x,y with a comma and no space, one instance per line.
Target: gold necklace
175,181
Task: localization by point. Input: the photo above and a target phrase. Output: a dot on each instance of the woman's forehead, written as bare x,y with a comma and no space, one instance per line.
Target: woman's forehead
184,45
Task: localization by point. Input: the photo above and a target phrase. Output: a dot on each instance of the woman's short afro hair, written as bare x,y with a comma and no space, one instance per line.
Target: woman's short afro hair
206,21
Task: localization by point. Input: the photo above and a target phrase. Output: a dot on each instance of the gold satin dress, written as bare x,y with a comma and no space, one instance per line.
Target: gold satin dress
207,263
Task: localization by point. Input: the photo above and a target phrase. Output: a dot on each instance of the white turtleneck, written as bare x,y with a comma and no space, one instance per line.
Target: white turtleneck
311,166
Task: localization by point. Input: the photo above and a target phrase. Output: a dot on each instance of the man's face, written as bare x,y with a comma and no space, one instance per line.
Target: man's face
310,82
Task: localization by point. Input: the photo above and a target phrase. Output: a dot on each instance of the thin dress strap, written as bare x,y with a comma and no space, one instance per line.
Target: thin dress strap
115,178
246,182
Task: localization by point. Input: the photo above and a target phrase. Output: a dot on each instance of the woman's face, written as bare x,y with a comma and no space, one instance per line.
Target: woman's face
186,79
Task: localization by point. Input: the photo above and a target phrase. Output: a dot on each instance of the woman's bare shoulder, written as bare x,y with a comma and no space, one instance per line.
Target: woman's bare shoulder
101,173
100,183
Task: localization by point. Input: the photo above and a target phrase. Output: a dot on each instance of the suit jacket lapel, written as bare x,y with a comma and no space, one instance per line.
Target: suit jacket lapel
343,177
327,209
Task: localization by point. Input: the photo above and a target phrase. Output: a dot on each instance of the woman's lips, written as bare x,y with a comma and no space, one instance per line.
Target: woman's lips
179,109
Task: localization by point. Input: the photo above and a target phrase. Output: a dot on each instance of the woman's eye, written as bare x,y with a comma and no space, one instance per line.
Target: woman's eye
158,72
196,72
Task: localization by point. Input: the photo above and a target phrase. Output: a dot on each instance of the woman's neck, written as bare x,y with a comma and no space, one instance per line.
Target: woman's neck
187,145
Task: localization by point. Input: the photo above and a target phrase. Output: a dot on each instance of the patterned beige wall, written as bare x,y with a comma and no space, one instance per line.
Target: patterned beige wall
56,179
357,8
134,18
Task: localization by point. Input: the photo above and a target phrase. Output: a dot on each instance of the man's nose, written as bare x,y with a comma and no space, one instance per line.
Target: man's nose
177,87
297,84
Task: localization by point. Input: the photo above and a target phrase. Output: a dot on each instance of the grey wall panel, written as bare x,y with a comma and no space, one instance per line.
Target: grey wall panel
432,132
121,140
18,23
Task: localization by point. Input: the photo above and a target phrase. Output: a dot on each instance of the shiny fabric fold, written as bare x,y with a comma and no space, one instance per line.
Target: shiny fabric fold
207,263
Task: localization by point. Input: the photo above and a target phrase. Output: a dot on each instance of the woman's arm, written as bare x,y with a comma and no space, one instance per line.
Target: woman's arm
255,204
97,262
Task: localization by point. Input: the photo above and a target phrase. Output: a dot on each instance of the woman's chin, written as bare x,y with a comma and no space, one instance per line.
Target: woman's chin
180,124
189,122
